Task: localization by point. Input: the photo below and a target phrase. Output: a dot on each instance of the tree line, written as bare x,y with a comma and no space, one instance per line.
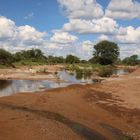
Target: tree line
105,53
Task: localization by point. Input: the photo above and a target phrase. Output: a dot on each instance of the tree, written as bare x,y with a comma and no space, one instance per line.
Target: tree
33,55
106,52
55,59
72,59
132,60
6,58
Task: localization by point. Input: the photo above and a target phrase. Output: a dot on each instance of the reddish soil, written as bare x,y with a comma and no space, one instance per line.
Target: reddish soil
106,111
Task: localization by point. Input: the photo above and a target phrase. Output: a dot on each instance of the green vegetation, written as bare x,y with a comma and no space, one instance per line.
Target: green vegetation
33,55
106,53
86,70
55,60
105,56
132,60
70,59
106,71
6,58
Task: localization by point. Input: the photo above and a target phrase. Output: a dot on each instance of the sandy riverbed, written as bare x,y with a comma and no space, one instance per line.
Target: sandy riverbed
99,111
32,72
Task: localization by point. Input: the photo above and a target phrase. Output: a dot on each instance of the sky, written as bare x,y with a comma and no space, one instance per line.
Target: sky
62,27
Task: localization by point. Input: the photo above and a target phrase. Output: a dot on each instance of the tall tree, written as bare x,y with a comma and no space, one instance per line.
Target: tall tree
106,52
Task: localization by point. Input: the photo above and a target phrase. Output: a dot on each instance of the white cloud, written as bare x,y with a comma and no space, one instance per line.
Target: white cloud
85,9
7,28
104,25
84,49
54,46
63,37
15,38
12,36
123,9
103,37
128,50
128,35
87,46
30,34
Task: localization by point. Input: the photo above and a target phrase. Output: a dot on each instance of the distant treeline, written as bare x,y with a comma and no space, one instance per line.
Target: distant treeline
105,53
35,56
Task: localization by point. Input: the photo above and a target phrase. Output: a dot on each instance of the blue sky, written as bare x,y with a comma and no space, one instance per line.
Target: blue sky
61,27
46,13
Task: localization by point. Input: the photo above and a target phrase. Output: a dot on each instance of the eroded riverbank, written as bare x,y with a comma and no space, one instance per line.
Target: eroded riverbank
110,110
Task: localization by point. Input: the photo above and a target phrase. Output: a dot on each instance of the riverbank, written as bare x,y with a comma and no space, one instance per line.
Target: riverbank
48,72
110,110
44,72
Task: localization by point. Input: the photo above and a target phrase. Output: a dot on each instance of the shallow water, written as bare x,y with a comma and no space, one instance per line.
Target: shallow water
120,71
9,87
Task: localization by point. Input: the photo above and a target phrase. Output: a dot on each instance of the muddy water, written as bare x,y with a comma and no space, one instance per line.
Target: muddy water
9,87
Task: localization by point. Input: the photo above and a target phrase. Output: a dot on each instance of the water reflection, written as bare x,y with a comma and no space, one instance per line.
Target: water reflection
17,86
74,78
120,71
4,84
9,87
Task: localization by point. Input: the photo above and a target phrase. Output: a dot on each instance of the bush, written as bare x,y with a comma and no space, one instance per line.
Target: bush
105,72
6,58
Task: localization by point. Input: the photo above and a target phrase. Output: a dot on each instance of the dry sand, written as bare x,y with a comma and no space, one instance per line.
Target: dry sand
103,111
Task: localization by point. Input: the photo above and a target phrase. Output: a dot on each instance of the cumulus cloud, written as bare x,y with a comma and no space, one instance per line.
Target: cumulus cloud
83,49
87,46
63,37
14,37
103,37
123,9
88,17
104,25
128,35
28,34
7,28
85,9
128,50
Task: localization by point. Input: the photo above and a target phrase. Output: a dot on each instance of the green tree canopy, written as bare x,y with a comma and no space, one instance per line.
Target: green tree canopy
55,59
106,52
33,55
132,60
6,57
71,59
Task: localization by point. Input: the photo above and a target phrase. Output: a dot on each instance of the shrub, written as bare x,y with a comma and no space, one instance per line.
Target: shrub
105,72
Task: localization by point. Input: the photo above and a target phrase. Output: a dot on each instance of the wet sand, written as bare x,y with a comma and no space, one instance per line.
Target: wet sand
106,111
